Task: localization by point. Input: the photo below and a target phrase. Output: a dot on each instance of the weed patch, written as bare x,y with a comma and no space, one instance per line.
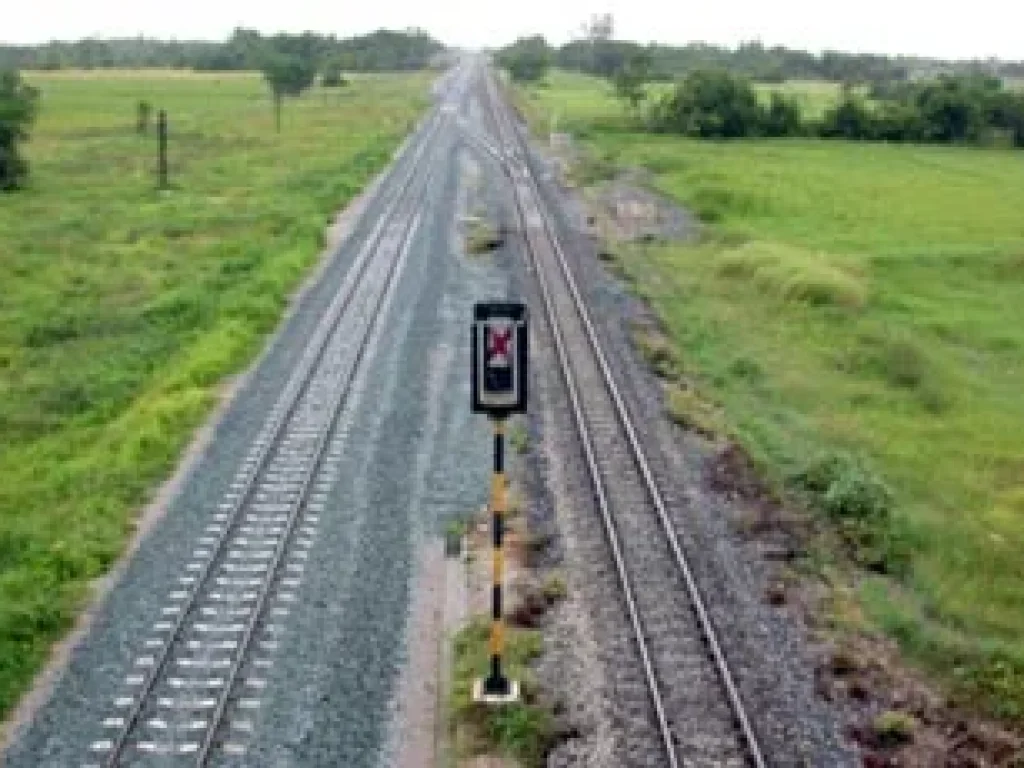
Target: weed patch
591,168
482,236
690,411
523,730
656,350
861,506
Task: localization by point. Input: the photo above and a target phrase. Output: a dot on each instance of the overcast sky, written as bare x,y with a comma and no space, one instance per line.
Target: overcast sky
980,28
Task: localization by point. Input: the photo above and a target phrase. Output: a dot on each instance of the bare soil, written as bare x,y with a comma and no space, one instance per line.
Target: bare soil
861,672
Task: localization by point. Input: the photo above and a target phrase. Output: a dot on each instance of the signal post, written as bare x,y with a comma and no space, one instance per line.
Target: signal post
499,360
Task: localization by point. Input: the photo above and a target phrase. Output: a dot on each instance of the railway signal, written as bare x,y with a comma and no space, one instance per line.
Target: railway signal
499,359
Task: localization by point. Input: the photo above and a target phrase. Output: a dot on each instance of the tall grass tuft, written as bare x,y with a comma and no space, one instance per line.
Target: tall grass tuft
794,274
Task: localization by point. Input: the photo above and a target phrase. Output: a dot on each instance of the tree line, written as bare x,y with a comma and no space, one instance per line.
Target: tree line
717,101
597,53
946,109
383,50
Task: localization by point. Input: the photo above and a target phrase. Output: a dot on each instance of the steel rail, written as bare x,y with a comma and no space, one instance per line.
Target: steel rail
299,382
708,631
299,504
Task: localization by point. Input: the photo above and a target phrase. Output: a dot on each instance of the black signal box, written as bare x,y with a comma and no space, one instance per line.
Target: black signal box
499,358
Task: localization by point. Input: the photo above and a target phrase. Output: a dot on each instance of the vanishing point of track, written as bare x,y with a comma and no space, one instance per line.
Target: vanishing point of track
285,461
697,726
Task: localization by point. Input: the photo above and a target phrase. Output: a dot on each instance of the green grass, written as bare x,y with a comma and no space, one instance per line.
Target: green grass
123,309
569,101
815,97
522,730
866,300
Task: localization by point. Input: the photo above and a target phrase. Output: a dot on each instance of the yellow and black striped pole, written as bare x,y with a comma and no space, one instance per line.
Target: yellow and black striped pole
497,684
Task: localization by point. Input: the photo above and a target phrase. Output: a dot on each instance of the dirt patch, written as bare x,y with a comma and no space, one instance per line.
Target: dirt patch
866,675
628,211
623,208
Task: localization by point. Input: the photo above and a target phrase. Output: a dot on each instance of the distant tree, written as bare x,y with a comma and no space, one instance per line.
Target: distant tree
17,111
287,75
527,59
952,109
710,104
630,79
896,121
332,76
849,119
1005,111
782,117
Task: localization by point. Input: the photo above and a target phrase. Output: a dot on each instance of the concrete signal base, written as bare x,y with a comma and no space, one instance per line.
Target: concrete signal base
482,697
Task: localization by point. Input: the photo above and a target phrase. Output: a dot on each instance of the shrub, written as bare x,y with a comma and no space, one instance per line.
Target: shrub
782,118
849,119
711,104
856,494
860,505
527,59
17,111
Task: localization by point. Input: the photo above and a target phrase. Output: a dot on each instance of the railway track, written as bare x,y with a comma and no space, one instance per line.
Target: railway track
696,711
193,694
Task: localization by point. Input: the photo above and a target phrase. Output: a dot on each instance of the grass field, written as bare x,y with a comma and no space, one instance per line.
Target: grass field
122,309
868,301
813,96
578,103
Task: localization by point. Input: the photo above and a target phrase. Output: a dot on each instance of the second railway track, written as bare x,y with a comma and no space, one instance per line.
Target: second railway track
696,708
194,688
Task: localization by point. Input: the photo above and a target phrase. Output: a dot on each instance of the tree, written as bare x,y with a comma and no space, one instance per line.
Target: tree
782,118
17,111
287,75
1005,111
711,104
332,76
951,109
849,119
629,79
527,59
